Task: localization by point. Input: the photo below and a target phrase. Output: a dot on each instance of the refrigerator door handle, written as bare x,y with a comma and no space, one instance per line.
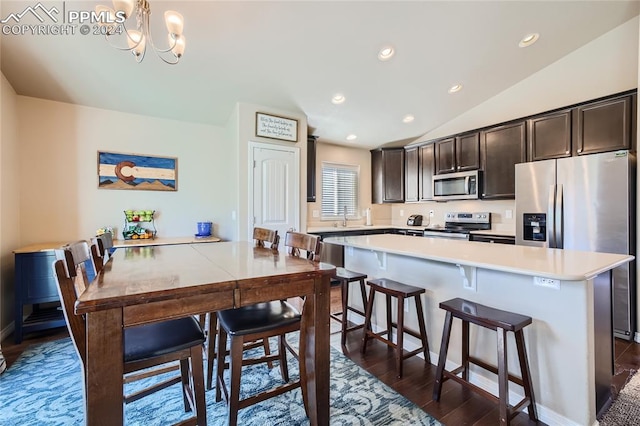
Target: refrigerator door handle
559,213
551,222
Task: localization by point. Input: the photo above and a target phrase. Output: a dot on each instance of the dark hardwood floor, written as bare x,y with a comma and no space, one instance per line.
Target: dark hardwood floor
457,406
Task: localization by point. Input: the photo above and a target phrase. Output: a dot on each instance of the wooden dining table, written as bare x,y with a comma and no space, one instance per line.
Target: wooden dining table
141,285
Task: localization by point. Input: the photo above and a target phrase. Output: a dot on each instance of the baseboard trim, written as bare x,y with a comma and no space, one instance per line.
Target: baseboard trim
6,332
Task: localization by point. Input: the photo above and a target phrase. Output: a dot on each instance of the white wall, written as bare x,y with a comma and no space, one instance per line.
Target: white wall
9,200
246,116
381,213
60,199
607,65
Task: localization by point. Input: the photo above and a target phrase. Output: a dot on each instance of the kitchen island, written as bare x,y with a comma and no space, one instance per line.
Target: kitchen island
567,293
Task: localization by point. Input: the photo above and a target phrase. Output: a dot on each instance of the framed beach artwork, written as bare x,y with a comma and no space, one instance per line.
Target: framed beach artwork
137,172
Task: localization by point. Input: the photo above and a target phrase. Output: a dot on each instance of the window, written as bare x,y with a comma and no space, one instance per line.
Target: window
339,190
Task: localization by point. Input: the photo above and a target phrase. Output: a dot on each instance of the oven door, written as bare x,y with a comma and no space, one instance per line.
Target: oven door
447,235
456,186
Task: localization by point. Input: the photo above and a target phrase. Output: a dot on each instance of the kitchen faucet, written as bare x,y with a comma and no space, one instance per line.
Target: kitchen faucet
344,220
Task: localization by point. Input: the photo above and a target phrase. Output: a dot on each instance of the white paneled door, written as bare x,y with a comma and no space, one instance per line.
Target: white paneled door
276,196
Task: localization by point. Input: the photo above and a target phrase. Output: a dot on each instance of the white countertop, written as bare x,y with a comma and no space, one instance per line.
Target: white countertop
354,228
348,228
568,265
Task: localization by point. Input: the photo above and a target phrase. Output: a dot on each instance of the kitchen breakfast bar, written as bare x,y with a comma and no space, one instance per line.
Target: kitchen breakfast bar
566,292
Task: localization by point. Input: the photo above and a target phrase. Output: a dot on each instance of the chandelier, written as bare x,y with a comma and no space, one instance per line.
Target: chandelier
113,22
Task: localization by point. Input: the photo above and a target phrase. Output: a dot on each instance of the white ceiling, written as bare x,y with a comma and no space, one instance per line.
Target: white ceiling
295,55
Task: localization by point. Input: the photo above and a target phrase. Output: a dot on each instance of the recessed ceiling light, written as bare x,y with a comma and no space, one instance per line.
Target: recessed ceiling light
338,98
456,88
529,39
352,137
408,118
386,53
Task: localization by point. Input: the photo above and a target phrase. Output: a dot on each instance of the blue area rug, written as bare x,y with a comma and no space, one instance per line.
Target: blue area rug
43,387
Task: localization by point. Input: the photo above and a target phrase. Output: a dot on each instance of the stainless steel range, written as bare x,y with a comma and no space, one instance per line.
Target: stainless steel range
458,225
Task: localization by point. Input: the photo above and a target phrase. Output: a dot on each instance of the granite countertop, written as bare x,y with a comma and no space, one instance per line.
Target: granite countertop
570,265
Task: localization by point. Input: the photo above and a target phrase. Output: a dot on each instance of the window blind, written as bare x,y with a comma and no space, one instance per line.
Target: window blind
339,190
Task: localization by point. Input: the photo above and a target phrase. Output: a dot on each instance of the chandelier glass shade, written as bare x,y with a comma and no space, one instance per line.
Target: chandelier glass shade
138,39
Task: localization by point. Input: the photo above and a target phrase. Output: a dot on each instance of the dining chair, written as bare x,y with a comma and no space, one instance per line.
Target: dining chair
264,235
101,250
255,322
295,242
145,346
262,238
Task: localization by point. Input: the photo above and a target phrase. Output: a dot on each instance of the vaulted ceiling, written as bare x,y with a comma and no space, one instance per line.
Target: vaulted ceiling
296,55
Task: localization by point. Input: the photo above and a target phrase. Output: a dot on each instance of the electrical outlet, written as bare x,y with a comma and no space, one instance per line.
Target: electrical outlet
431,213
546,282
508,214
316,213
401,213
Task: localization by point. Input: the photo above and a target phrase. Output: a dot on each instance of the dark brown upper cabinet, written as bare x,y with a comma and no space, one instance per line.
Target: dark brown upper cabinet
603,126
426,172
501,148
311,169
411,172
549,136
446,155
419,164
458,154
468,152
387,175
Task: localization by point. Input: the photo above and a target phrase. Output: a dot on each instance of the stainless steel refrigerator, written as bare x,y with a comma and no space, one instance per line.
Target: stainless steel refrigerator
584,203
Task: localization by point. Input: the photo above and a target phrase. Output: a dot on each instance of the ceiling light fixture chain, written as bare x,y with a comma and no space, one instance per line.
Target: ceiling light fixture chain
139,38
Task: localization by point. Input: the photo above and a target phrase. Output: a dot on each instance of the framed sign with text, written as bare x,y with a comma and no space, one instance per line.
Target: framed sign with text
274,127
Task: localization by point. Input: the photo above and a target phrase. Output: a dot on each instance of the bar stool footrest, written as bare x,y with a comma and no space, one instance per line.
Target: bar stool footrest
477,389
356,310
512,410
494,370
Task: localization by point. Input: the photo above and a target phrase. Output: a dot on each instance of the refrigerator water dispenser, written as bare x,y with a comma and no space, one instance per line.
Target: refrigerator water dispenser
535,226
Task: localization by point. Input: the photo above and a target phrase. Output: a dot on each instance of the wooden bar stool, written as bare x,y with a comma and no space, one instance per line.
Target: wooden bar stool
400,291
501,322
345,277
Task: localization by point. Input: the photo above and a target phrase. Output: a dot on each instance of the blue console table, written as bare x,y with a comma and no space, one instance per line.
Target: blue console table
35,286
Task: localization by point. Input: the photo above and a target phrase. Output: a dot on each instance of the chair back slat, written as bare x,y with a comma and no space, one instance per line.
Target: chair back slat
100,250
71,278
264,235
297,241
74,255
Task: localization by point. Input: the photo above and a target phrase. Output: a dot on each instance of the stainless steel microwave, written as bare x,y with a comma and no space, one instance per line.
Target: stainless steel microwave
456,186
